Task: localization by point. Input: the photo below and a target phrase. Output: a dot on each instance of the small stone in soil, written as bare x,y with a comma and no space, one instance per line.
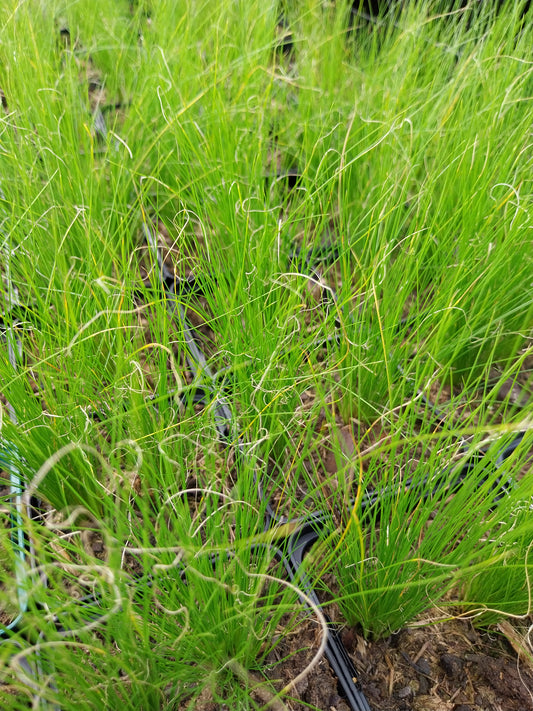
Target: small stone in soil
452,665
405,692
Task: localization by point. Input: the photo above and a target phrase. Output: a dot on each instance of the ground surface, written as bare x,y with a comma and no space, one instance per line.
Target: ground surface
449,667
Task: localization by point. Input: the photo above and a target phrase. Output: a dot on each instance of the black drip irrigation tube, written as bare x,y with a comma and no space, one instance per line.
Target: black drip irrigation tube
304,532
292,549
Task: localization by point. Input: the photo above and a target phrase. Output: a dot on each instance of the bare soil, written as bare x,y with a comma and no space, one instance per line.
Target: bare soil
447,667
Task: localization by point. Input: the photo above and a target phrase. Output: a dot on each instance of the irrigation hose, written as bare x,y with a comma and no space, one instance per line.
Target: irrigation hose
292,548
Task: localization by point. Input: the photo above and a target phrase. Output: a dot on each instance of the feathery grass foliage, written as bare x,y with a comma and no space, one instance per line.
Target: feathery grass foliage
407,143
403,553
172,599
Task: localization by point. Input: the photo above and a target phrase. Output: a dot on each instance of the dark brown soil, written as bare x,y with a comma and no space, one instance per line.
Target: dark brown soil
447,667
